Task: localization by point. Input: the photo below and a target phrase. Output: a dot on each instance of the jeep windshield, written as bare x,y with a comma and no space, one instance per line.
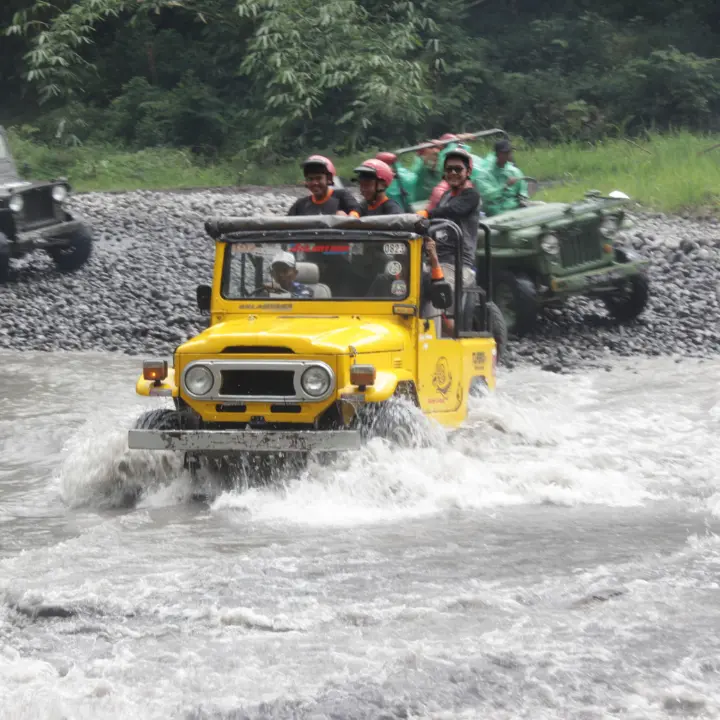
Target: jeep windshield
330,269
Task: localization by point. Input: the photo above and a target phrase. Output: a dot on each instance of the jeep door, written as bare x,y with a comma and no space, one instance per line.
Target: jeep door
440,372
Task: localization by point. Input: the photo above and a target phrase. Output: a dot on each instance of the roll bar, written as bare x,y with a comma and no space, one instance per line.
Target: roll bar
436,225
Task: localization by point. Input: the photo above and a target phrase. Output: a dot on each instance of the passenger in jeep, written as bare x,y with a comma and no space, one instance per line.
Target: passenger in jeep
284,271
374,177
461,204
500,181
323,199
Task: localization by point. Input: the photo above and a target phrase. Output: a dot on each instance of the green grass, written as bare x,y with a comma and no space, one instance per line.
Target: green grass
665,172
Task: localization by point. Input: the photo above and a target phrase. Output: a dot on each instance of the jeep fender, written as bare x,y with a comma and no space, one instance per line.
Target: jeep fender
385,386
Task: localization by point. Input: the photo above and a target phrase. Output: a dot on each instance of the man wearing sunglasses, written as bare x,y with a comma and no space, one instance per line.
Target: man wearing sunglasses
461,204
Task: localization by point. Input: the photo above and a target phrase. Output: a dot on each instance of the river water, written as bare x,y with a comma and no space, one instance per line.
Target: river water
557,558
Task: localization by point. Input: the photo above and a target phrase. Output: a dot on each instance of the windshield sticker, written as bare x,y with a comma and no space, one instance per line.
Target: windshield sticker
266,306
393,268
244,247
399,287
317,248
394,249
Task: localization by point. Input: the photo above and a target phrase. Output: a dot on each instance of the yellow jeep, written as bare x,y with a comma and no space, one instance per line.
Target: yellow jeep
315,362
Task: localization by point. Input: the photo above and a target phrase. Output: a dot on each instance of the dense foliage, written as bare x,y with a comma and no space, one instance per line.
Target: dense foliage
274,78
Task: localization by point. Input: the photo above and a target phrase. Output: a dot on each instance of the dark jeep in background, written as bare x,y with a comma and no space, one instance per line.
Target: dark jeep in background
33,216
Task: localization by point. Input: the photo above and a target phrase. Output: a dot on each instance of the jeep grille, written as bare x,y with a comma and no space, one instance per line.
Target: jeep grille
255,380
39,207
257,383
580,248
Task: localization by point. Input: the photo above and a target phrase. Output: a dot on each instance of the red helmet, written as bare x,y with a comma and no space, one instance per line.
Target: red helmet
464,154
377,168
387,157
320,161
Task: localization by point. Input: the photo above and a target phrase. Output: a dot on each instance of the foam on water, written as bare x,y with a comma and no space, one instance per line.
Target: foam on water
99,470
542,438
605,438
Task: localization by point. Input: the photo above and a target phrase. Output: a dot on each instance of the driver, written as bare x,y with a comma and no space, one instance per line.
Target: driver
283,269
500,181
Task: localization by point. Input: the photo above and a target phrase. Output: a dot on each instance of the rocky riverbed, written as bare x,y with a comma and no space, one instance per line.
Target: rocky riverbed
137,293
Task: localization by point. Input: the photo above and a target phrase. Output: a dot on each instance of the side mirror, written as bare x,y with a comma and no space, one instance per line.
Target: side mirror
203,293
441,295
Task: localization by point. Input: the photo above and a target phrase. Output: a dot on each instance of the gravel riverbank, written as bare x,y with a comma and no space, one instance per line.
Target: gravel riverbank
137,293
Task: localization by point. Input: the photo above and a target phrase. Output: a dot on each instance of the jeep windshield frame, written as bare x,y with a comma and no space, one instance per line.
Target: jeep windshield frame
352,266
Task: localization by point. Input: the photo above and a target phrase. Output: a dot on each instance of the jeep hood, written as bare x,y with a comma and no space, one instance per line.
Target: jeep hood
303,335
526,217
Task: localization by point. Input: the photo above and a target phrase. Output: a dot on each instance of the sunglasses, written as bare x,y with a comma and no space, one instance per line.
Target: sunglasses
456,169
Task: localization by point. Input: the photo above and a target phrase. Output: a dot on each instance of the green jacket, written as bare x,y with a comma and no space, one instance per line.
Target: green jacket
408,179
419,180
491,183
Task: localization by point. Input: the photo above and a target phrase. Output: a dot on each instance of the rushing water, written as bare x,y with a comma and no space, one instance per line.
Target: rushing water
556,558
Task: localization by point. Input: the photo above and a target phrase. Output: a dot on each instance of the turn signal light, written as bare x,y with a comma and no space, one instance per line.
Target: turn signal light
362,375
401,309
156,370
607,248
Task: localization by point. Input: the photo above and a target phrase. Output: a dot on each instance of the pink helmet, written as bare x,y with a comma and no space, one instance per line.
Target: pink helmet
320,161
377,168
449,136
386,157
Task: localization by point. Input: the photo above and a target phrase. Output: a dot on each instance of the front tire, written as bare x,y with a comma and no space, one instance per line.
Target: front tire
630,300
398,421
76,254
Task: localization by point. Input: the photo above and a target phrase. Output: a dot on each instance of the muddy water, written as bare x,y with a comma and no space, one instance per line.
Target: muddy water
557,558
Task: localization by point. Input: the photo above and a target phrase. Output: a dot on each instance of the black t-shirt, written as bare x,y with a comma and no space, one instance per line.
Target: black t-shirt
336,200
464,210
386,207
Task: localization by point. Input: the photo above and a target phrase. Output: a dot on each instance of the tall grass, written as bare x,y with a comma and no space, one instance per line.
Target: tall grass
666,172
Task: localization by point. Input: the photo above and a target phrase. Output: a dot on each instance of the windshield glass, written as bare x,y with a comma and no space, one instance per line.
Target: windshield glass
338,270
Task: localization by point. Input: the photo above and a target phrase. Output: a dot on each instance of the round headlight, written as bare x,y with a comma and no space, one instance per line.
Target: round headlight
608,227
16,203
59,193
550,244
199,380
316,381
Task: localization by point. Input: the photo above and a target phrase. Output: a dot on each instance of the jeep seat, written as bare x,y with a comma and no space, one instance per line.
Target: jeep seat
309,274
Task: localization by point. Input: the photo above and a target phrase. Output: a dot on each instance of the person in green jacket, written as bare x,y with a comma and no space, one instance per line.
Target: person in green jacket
499,181
424,179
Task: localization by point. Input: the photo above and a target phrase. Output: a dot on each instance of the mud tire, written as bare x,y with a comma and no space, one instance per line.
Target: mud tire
627,306
75,255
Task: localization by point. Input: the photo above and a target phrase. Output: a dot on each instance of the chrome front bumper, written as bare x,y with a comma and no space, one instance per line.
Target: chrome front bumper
255,441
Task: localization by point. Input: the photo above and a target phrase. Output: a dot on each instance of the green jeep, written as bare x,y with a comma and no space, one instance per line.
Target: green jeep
545,253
